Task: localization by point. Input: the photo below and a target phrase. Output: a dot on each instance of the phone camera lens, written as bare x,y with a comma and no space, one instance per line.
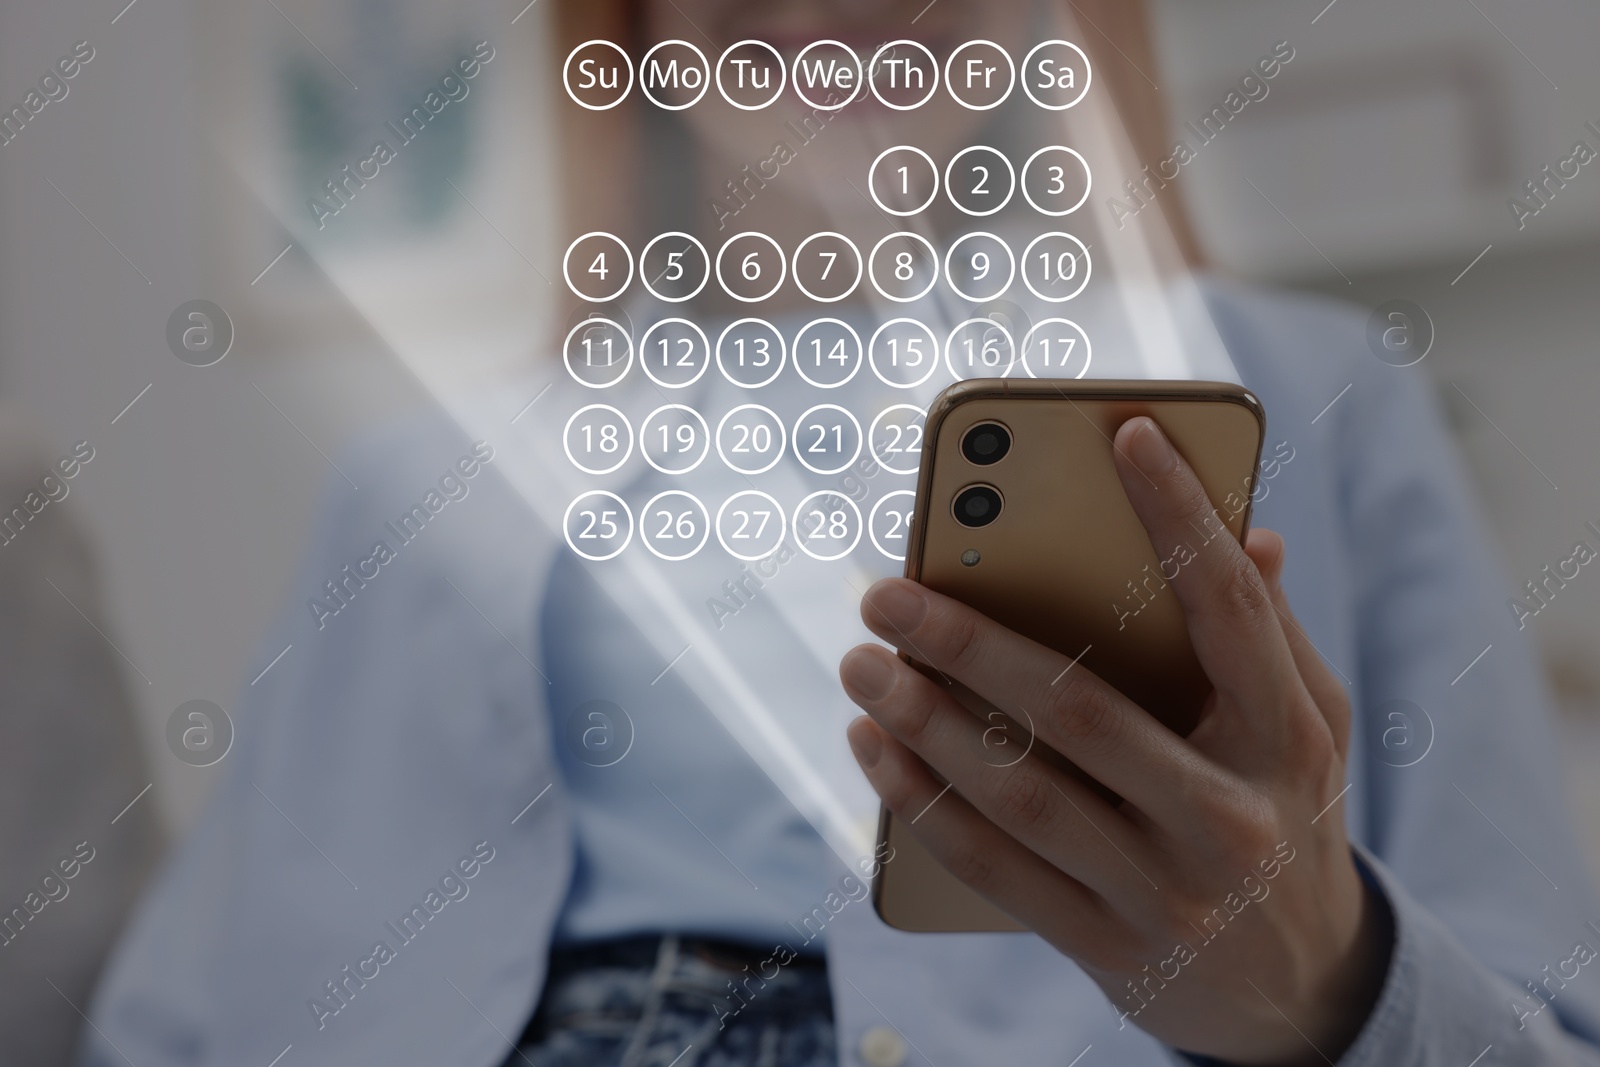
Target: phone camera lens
986,443
977,505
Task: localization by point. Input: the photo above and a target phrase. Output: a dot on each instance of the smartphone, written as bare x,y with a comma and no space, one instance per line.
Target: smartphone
1020,514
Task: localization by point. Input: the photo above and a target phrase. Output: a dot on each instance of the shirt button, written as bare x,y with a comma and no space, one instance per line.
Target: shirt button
882,1046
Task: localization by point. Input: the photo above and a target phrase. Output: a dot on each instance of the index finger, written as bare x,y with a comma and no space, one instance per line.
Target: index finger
1232,622
1069,708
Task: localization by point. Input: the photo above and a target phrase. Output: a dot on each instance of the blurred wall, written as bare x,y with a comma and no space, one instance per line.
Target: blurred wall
86,288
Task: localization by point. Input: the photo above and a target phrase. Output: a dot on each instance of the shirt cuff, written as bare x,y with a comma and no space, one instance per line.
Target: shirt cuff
1442,1007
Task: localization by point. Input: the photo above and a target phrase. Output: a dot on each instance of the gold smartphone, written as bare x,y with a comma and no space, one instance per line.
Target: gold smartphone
1020,514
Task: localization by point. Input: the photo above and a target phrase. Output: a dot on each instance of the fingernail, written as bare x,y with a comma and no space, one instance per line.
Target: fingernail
1150,451
866,744
900,604
867,672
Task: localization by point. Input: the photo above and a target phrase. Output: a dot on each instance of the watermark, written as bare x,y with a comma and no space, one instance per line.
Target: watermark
453,88
52,88
1252,88
1409,736
1542,188
740,591
1542,994
1142,590
599,733
1400,332
454,485
1252,889
52,889
52,489
199,733
452,887
743,189
1542,592
852,890
199,332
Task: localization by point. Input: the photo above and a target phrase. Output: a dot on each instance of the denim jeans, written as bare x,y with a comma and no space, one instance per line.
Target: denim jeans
668,1002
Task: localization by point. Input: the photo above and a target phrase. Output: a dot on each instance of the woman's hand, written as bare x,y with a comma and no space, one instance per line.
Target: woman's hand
1218,905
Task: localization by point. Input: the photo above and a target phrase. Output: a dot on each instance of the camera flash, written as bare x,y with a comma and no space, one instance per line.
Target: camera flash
970,557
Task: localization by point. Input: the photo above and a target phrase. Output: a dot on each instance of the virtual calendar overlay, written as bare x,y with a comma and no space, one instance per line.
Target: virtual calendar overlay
880,309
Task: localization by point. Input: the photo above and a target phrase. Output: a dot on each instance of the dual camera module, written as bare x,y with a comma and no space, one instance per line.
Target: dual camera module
983,445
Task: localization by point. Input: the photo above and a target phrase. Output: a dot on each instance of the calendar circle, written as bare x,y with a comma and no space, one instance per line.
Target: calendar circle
677,294
896,508
783,74
900,428
929,177
566,75
748,261
673,529
903,343
745,353
598,265
591,335
855,61
737,515
839,524
999,97
1050,96
1040,159
908,288
1066,335
600,417
1059,277
752,419
618,520
685,353
981,199
846,445
842,359
679,453
932,75
828,293
961,279
704,70
979,348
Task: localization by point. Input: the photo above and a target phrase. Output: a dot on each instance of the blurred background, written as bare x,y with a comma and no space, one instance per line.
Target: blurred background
1380,167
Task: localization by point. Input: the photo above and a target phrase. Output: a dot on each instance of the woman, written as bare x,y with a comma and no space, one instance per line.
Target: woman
417,856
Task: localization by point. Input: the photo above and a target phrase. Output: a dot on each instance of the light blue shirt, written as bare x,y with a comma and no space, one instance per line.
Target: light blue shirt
655,848
401,735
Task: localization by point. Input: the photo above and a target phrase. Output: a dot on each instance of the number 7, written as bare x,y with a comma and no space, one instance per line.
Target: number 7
830,257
